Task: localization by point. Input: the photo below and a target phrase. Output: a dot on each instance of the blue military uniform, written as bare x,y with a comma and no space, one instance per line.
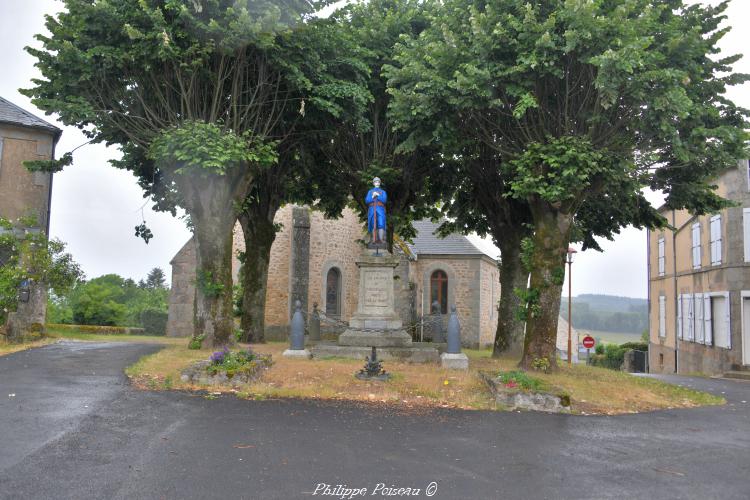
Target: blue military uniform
376,205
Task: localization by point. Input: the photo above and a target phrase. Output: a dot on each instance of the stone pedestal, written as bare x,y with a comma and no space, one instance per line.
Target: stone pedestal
454,361
375,323
297,353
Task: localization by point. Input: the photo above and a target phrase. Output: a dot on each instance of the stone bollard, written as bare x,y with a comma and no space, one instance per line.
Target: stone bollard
297,335
437,324
453,358
315,323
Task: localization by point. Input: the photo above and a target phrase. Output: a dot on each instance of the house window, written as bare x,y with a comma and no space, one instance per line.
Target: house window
661,256
662,316
439,290
746,232
704,318
716,240
696,246
717,321
333,292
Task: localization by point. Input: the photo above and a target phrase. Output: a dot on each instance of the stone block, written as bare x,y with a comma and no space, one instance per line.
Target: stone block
389,338
454,361
297,353
412,354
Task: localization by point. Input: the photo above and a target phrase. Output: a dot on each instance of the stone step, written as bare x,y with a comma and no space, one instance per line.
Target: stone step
743,375
416,353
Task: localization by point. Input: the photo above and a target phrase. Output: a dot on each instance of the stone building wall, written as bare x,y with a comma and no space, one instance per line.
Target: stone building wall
309,245
182,292
463,290
277,293
670,353
24,193
489,296
333,243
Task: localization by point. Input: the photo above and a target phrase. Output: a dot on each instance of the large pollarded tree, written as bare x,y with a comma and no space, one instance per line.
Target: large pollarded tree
199,95
355,152
584,104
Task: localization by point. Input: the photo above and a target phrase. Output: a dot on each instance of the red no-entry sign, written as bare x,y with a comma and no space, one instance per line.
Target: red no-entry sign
588,341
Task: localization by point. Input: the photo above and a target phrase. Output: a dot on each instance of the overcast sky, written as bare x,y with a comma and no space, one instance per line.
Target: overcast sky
95,206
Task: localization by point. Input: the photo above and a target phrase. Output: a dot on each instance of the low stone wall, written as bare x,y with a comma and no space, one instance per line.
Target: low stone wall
514,399
99,330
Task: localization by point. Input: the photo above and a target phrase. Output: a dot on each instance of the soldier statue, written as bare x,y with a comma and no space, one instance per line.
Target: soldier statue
376,199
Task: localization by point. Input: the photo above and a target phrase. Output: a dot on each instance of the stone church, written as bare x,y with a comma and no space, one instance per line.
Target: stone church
313,260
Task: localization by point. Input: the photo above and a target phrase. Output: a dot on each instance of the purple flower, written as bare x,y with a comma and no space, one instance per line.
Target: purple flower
218,356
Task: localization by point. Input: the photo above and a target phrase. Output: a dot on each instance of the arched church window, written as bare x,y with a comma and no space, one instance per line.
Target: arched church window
333,292
439,290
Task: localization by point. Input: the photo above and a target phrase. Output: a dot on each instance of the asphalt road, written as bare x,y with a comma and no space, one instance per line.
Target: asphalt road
75,429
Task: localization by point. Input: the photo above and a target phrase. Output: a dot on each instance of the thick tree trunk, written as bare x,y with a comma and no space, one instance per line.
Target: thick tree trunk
210,201
259,233
510,326
551,237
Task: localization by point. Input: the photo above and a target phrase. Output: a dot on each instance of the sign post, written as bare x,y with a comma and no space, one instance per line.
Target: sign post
588,343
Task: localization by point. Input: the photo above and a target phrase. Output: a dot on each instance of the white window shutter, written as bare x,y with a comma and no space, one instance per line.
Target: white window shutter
696,246
707,326
726,319
746,232
662,316
679,316
718,243
699,318
715,232
661,259
691,317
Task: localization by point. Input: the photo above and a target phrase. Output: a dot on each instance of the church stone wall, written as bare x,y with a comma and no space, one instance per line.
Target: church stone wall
182,292
489,297
278,291
307,235
333,243
464,278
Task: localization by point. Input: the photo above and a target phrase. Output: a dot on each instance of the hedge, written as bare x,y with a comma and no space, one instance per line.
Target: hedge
99,330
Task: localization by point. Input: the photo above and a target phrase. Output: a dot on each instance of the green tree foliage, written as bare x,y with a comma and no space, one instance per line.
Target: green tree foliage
582,103
26,254
198,95
156,279
357,152
111,300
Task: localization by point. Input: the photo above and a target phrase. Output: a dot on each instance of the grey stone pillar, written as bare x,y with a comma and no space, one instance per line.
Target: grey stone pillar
300,258
297,335
453,358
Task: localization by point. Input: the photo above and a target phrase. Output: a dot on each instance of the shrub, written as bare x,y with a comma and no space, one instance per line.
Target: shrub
521,380
154,321
636,346
236,362
612,357
196,342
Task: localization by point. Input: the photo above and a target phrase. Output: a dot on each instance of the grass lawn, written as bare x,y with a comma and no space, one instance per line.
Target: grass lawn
413,386
593,390
611,337
7,347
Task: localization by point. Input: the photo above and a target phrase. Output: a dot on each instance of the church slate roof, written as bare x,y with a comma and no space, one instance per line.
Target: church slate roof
14,115
427,242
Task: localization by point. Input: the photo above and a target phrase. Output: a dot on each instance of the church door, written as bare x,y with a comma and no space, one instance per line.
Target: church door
333,293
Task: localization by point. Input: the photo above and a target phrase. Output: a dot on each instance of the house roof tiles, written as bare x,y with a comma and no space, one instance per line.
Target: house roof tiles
14,115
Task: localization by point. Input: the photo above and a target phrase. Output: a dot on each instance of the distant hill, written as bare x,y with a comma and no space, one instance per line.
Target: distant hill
607,313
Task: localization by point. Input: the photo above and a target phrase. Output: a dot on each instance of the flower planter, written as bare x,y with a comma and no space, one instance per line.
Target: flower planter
512,397
201,373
